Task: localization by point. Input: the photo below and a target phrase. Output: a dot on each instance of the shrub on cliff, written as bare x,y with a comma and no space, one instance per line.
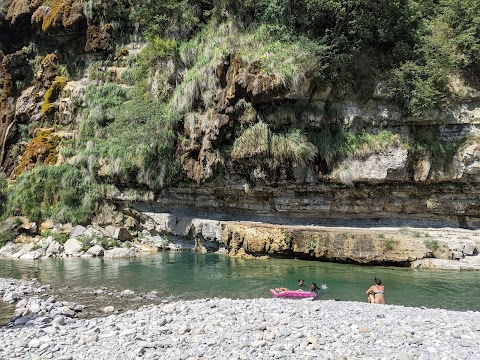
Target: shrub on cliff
101,103
331,142
421,83
174,18
334,143
128,139
292,146
463,16
349,44
287,60
258,142
254,141
62,192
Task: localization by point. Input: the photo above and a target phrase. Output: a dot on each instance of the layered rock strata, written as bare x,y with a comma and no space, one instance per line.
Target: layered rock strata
394,246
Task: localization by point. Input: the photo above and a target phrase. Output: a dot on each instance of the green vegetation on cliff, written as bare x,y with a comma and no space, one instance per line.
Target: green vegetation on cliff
420,43
224,85
129,140
258,141
62,193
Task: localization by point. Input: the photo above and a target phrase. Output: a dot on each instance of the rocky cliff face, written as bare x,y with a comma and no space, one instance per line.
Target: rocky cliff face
60,26
426,174
380,245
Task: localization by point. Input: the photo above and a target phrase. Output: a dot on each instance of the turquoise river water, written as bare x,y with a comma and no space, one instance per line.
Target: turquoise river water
188,275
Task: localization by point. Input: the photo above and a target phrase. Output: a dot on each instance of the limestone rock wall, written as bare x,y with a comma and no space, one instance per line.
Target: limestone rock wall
381,245
396,204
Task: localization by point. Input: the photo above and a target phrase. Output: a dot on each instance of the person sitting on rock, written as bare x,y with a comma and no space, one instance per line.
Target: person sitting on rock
377,291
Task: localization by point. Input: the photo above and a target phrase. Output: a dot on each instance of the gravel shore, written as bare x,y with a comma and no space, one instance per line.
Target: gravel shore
234,329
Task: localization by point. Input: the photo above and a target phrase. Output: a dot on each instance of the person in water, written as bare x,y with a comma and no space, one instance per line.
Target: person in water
280,289
301,282
313,288
376,292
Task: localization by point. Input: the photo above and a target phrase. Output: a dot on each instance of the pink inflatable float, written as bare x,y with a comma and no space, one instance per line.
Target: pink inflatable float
293,294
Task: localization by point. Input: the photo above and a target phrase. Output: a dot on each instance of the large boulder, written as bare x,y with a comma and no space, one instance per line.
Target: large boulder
443,264
463,246
73,246
119,233
10,228
9,249
33,255
96,250
93,233
471,159
47,225
77,231
22,249
54,249
209,230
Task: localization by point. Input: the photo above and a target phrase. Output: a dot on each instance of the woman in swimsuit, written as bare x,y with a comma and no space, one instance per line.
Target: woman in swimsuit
313,288
376,292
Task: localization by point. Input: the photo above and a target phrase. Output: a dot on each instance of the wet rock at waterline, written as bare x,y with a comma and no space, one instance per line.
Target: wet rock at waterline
33,305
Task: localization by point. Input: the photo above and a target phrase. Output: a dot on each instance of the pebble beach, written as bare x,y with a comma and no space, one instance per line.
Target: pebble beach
47,328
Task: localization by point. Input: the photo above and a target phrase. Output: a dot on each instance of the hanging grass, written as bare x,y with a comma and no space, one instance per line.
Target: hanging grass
132,141
258,141
365,144
289,61
292,146
330,142
254,141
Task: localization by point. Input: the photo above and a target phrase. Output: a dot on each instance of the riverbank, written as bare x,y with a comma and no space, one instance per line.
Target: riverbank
246,329
426,248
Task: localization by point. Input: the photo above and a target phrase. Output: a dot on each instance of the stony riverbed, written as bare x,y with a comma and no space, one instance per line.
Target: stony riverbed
233,329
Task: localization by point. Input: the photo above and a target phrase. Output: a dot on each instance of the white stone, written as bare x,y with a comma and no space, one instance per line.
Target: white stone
54,248
77,231
96,250
72,246
34,343
108,309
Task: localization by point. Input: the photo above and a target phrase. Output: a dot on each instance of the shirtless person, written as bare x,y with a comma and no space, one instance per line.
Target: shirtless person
376,292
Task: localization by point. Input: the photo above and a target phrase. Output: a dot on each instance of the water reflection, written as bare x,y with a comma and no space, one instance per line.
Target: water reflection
190,275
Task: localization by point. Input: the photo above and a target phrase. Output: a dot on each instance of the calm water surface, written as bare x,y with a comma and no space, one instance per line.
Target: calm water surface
189,275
